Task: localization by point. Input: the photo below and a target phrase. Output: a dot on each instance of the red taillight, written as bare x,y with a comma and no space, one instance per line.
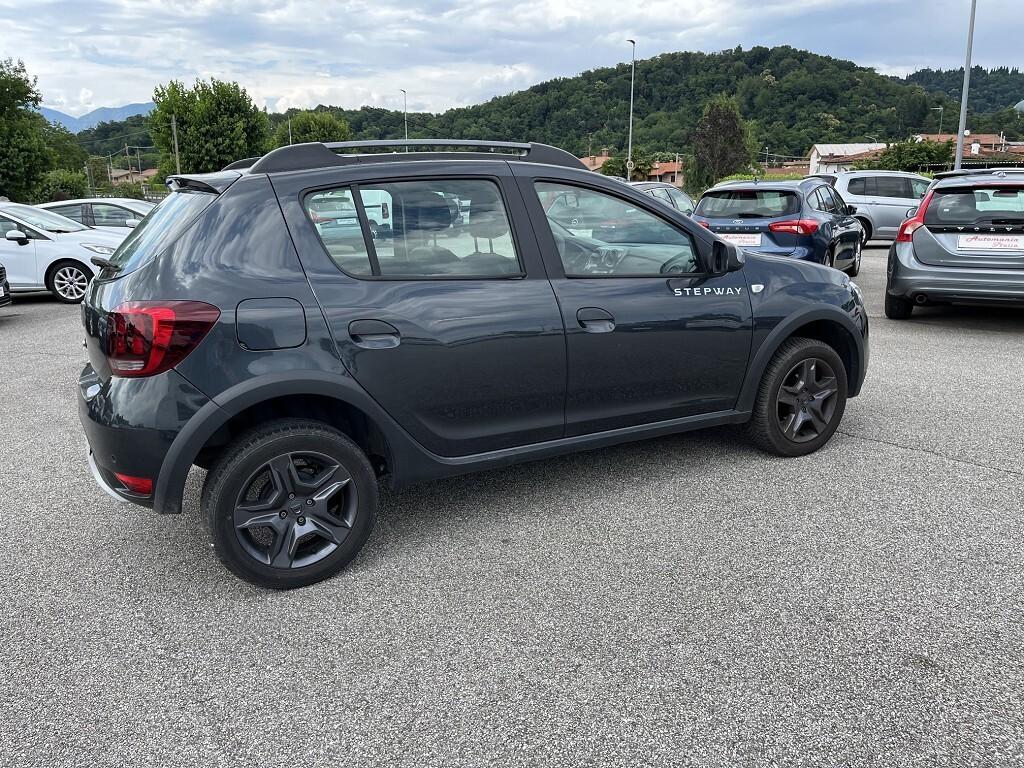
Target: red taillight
144,338
143,486
795,226
704,224
317,219
905,234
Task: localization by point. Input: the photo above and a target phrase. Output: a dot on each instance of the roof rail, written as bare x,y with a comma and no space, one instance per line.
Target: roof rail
240,165
978,171
298,157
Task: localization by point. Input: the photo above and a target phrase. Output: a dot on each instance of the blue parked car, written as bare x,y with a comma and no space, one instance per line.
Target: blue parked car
805,220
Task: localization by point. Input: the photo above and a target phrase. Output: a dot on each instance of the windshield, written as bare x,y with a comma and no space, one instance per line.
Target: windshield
48,221
977,205
748,204
160,228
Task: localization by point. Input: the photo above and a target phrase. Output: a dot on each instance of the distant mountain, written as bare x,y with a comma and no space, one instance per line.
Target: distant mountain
97,116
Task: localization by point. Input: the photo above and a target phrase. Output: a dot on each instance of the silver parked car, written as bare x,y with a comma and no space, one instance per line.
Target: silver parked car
964,244
881,198
115,214
667,194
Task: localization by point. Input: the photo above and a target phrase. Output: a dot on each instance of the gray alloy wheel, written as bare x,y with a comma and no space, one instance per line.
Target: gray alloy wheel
295,510
68,282
806,402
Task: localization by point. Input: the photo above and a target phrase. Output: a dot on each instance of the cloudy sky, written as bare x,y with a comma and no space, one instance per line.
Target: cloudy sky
91,53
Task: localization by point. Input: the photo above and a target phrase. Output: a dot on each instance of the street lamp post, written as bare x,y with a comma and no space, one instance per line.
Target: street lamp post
405,111
967,87
940,111
632,81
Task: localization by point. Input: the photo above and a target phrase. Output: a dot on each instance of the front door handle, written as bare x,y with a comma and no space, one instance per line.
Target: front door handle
595,320
374,334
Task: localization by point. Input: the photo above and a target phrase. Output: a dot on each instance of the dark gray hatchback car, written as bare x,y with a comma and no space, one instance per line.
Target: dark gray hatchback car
963,245
236,330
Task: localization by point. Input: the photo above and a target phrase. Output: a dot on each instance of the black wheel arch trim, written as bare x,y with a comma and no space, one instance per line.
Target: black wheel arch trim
170,483
786,329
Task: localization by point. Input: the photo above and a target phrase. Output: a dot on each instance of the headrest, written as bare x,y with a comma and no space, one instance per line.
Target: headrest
487,215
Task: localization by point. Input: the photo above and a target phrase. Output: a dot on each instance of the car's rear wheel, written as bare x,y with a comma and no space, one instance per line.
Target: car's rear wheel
801,399
68,281
830,257
290,503
897,307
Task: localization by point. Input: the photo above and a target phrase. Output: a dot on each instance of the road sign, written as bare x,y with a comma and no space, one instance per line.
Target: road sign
630,165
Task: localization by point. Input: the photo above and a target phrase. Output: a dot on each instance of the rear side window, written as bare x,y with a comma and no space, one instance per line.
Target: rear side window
73,212
981,205
748,204
160,228
456,228
106,215
857,186
892,186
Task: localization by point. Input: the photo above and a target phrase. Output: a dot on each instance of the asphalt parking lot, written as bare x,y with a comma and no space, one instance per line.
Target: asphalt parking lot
685,601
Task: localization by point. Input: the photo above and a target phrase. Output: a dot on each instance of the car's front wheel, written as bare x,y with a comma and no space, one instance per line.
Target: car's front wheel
854,269
290,503
801,399
68,281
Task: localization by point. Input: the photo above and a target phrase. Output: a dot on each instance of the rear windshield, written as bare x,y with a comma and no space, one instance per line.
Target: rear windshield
748,204
160,228
976,205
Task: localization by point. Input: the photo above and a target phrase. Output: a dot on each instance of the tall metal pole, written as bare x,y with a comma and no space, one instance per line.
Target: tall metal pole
632,81
289,131
174,134
405,110
967,88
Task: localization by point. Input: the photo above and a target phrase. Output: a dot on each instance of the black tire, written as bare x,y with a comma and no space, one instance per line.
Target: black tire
347,515
866,234
765,427
68,281
374,230
854,269
830,257
897,307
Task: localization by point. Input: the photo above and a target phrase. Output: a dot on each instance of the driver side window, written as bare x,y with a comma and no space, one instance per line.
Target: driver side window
599,235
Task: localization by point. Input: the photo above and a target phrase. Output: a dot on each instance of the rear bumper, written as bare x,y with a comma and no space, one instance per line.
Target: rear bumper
130,425
909,278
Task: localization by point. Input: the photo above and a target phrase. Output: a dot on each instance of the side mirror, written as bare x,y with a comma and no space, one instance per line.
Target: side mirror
17,236
726,257
851,209
911,213
131,223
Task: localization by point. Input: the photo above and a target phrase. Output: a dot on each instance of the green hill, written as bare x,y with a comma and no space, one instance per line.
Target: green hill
792,98
991,89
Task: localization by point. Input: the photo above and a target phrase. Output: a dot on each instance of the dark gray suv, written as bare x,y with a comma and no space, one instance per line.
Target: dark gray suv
302,361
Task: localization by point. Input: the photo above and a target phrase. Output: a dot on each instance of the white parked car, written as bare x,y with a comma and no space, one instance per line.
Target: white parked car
42,250
117,214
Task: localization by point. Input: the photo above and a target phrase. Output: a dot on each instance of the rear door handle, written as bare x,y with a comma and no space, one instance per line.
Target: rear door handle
374,334
595,320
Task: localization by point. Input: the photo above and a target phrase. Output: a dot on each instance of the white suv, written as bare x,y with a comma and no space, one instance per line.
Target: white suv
44,251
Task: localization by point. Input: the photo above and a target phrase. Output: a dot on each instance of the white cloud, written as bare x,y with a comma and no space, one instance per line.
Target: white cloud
449,52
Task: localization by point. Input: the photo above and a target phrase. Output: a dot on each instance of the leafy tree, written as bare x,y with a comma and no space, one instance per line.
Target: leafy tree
217,124
65,151
616,165
24,156
911,156
128,189
720,143
318,125
62,184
